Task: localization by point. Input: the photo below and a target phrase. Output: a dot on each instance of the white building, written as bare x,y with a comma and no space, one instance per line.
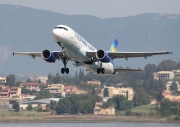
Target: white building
3,79
165,75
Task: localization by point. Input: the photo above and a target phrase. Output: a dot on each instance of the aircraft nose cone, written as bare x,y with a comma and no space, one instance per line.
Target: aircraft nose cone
55,34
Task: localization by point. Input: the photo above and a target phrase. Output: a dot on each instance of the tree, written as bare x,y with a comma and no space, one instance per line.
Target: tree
106,92
29,107
77,104
50,79
149,69
64,106
57,78
29,80
174,86
141,97
167,65
122,103
16,106
109,103
165,109
93,91
178,65
10,80
18,83
27,91
159,96
43,94
53,105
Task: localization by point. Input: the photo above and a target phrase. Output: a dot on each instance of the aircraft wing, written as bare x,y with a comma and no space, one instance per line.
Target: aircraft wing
38,54
127,55
125,70
32,54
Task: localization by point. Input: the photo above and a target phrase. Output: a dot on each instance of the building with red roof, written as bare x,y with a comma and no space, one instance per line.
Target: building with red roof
32,86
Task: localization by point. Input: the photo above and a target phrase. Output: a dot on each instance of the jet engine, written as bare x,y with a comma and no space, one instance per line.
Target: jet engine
49,56
103,56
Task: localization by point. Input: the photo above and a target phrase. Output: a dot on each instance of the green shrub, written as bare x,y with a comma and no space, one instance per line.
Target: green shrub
128,113
176,118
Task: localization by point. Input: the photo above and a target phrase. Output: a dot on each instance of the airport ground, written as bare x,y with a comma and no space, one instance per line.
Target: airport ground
47,117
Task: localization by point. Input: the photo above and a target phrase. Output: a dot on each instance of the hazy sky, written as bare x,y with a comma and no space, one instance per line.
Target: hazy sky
102,8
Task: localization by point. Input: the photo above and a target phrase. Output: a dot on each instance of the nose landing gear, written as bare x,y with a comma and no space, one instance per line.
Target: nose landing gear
65,61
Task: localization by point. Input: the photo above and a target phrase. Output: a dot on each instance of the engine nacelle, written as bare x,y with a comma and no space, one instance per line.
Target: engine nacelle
103,56
48,56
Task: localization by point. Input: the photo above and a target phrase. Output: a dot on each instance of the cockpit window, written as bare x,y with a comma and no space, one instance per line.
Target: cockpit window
60,27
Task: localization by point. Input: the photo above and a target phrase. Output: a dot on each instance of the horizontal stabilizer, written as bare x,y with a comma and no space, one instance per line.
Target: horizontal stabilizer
126,70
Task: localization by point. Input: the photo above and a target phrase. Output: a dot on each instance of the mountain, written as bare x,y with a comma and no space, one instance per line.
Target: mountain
28,29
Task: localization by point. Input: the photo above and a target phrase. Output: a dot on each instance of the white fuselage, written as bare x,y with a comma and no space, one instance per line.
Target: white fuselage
76,47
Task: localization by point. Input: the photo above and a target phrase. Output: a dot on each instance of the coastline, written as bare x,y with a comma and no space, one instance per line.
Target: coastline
46,118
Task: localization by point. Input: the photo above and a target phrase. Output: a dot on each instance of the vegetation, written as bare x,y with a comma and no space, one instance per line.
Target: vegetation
143,83
29,107
27,91
106,92
10,80
43,94
75,104
16,106
169,108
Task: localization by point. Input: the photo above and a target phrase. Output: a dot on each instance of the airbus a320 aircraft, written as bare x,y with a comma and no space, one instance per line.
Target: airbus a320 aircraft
77,49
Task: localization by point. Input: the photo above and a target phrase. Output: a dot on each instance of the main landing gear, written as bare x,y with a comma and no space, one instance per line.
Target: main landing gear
64,70
100,70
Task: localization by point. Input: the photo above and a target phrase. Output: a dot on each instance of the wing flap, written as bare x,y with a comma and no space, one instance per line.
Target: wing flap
91,54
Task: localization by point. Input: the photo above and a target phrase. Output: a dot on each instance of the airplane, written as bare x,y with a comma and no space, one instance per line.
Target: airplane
75,48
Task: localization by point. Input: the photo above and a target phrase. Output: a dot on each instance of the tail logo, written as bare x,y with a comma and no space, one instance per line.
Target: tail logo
114,46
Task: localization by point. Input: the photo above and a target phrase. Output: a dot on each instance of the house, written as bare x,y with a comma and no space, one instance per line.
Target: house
2,80
126,92
15,92
43,79
176,72
165,75
5,92
29,97
35,103
98,110
70,89
94,82
31,86
55,89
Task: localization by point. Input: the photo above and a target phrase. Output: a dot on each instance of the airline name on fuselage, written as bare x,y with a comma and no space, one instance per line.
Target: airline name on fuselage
85,43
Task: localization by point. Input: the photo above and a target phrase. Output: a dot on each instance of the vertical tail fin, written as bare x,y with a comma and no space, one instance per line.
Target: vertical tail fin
114,46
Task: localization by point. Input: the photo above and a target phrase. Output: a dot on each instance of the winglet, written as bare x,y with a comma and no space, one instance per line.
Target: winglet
13,53
171,53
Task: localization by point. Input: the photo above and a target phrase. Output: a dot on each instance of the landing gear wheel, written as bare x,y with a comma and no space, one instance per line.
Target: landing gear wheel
98,70
102,70
67,70
62,70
